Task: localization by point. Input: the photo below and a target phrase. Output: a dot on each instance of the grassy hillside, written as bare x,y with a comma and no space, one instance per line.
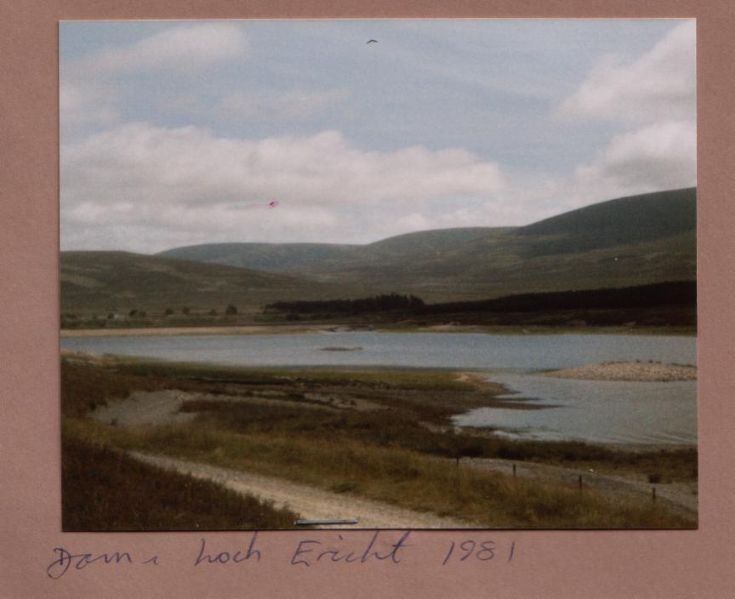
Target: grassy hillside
121,281
271,257
630,220
625,242
317,257
636,240
423,243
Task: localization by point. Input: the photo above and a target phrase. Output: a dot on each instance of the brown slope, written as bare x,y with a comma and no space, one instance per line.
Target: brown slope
121,281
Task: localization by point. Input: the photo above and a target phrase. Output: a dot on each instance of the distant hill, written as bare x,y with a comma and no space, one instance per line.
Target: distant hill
421,243
121,281
637,240
629,220
307,257
271,257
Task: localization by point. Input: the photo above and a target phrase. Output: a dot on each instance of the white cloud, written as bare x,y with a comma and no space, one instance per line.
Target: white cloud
183,48
655,95
656,157
291,104
140,177
661,84
145,187
190,165
88,104
660,156
92,92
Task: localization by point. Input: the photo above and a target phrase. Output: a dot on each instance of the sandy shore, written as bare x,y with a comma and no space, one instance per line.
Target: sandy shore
295,329
227,330
629,371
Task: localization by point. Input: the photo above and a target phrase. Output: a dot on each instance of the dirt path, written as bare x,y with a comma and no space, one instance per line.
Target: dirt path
310,503
678,497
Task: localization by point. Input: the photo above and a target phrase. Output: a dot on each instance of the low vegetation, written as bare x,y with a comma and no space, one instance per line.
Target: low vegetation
382,435
104,490
405,478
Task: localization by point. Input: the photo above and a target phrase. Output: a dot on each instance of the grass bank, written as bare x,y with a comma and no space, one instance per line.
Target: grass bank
384,435
402,477
388,408
104,490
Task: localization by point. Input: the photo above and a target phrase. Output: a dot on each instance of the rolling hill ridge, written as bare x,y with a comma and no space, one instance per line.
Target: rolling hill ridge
625,242
635,240
123,281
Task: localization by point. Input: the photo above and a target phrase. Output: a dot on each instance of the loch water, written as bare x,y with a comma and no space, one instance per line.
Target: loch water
597,411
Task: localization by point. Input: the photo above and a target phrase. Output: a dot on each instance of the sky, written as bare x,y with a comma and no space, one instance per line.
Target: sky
184,132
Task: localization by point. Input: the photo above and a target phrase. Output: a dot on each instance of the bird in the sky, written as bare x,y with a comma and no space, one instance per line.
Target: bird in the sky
273,204
371,42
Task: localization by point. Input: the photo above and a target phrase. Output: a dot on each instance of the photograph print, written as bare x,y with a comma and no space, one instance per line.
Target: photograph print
378,274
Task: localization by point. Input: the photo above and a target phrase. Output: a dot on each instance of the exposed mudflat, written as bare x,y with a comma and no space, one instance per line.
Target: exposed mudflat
629,371
153,408
144,408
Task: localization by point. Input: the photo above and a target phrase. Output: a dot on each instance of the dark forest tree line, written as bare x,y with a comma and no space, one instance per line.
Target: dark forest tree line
378,303
675,293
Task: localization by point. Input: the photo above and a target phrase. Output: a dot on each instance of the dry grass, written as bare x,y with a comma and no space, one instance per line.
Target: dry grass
399,427
386,454
410,400
402,477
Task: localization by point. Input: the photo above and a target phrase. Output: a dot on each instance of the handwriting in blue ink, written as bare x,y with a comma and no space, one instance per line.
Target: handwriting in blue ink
226,557
65,559
311,551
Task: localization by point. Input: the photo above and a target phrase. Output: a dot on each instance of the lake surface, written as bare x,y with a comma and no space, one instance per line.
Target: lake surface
597,411
600,411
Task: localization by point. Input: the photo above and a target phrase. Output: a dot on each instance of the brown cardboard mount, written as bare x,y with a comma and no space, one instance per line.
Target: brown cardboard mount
571,564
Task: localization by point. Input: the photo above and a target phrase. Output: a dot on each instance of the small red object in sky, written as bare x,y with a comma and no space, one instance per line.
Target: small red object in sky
273,204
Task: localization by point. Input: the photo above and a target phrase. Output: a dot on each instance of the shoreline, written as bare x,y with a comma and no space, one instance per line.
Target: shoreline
476,379
301,329
181,331
650,371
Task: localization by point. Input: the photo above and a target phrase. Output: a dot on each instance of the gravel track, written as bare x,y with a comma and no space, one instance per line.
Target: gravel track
310,503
